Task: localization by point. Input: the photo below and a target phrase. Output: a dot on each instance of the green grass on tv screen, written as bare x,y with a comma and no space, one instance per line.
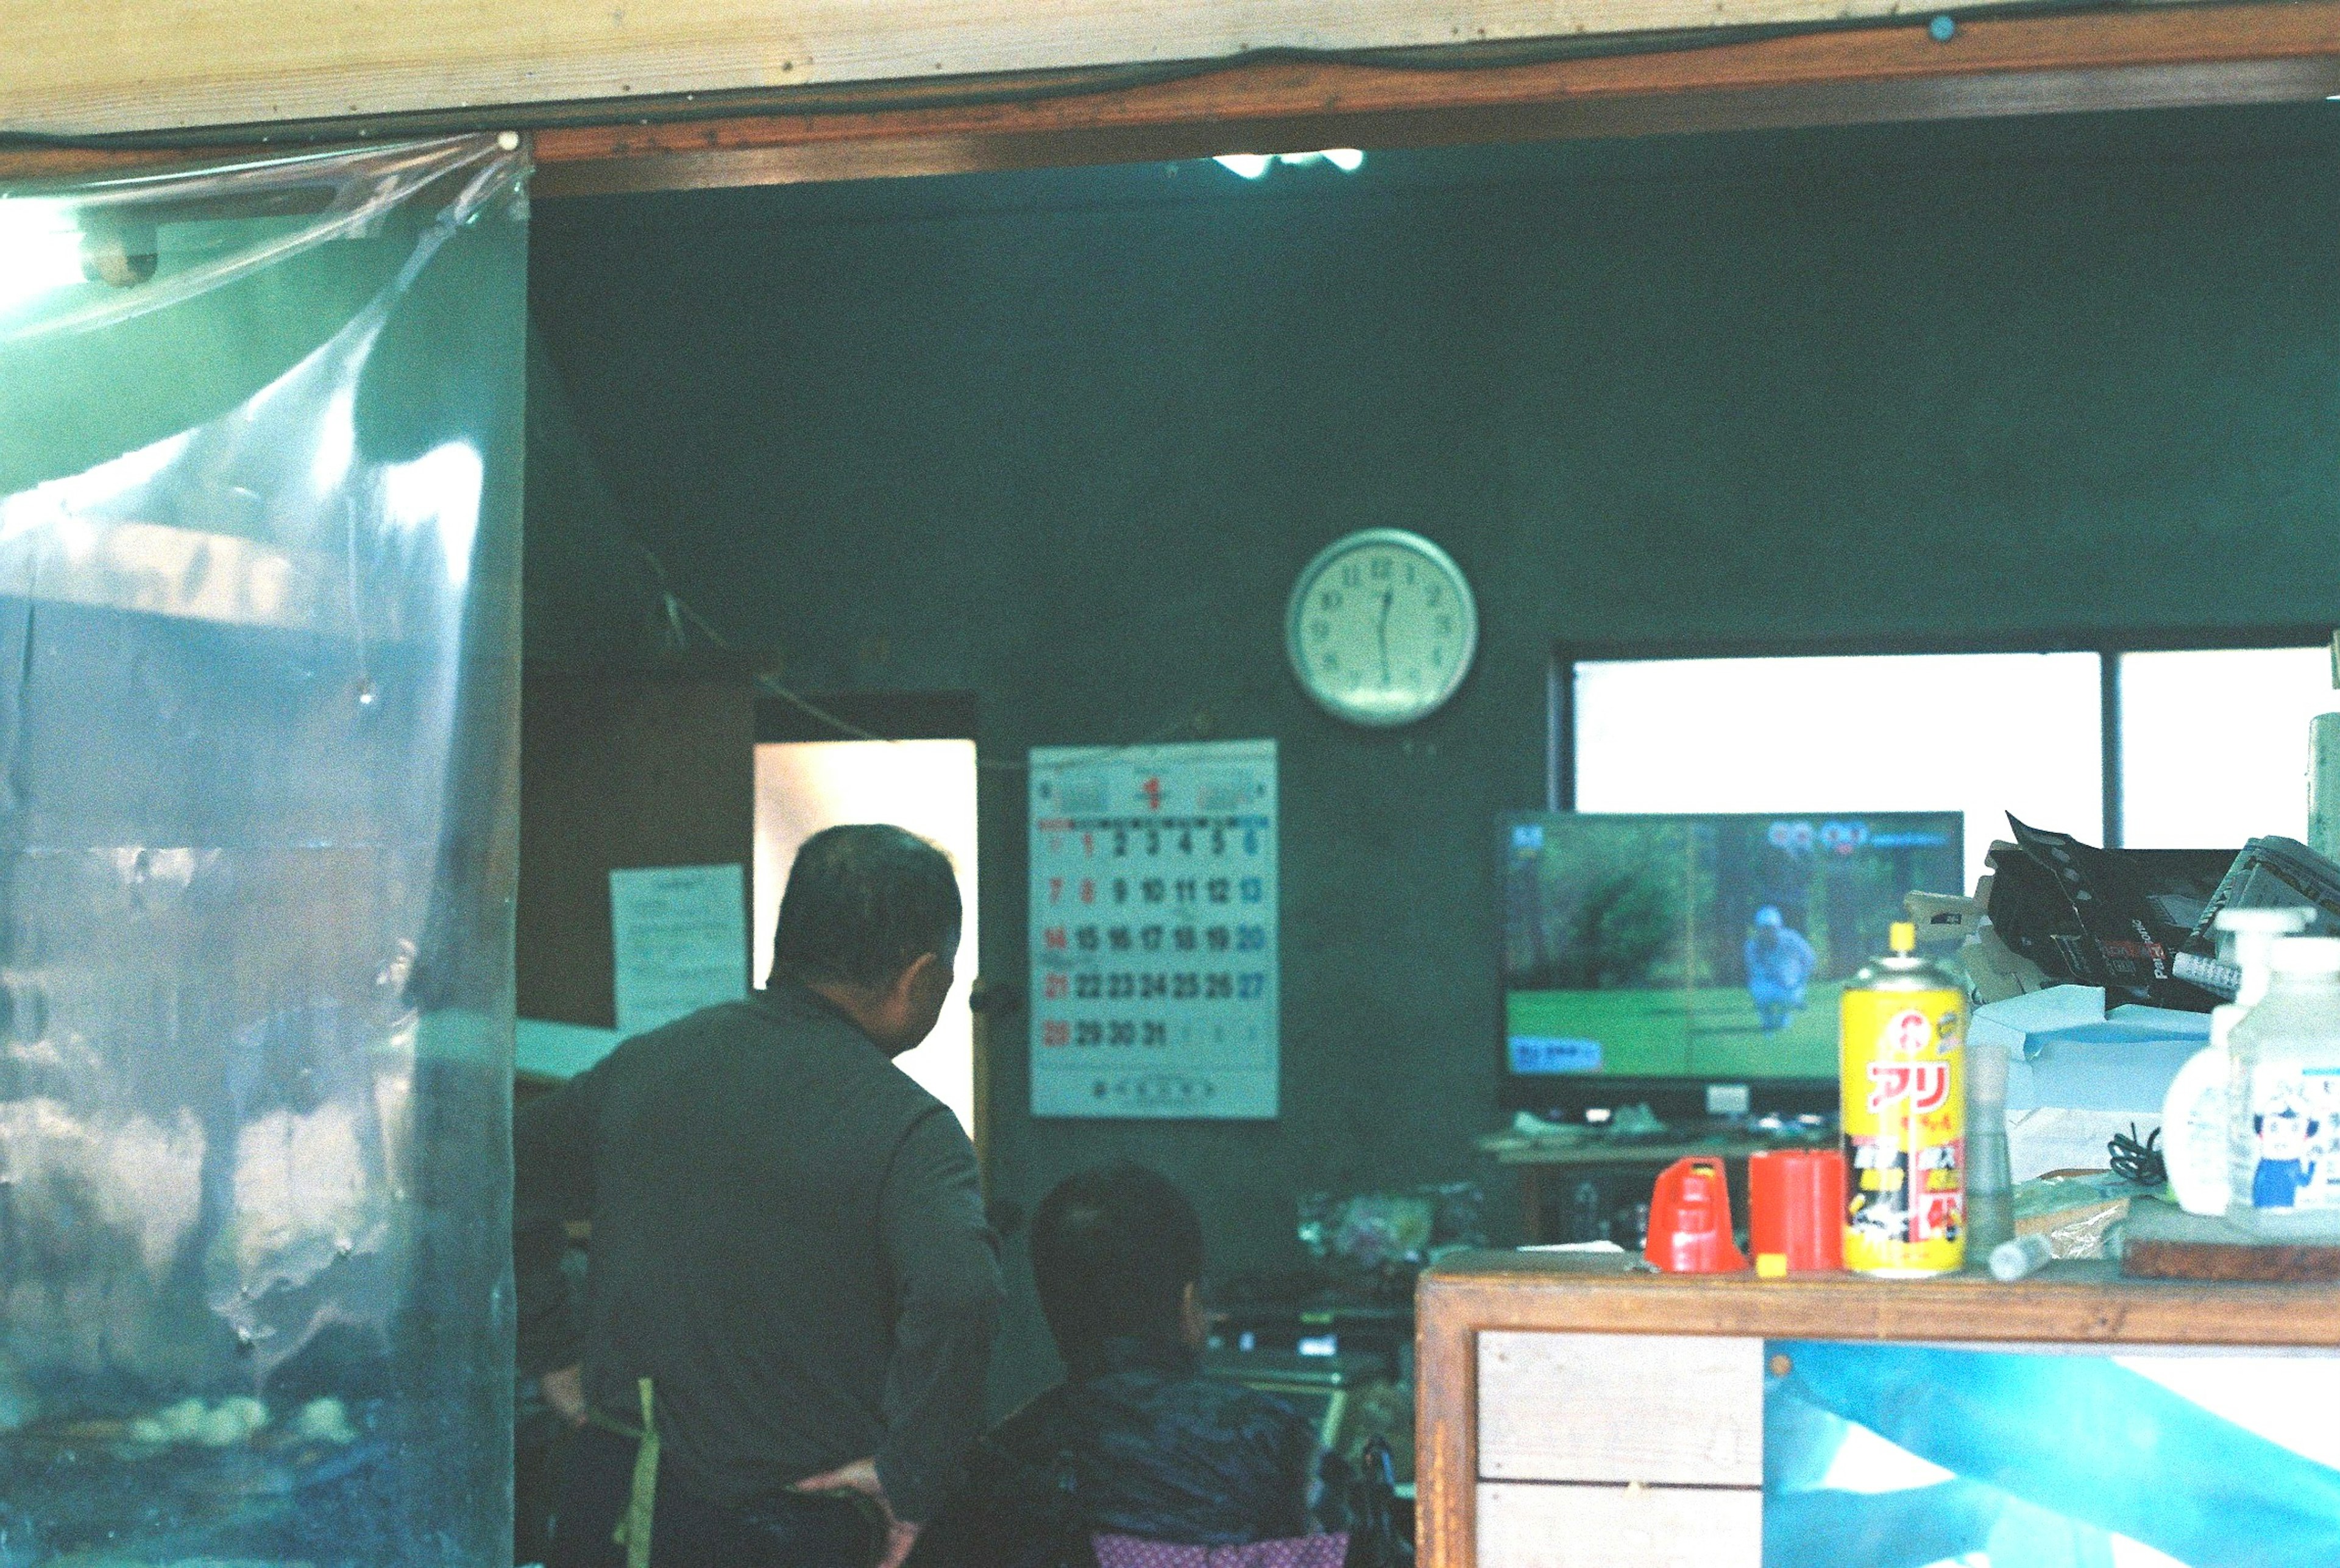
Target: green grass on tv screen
1708,1032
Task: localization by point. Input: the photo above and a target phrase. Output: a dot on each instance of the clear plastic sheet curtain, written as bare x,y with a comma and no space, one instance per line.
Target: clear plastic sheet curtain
260,464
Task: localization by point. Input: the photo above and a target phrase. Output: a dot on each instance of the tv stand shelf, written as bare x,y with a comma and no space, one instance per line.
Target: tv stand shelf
1538,1159
1514,1149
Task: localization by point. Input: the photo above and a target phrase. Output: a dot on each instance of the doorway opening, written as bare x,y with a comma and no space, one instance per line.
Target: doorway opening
927,787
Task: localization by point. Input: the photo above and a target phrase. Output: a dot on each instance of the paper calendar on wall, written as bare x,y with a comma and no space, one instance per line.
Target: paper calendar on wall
1154,930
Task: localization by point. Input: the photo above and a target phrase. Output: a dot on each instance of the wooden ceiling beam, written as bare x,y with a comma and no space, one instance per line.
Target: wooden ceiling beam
2153,57
2150,57
99,65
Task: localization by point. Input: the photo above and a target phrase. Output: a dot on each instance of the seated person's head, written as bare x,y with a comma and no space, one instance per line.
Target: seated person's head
1117,1254
870,919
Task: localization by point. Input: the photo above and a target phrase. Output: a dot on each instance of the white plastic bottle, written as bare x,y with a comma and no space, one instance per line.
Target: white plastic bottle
2193,1117
2283,1095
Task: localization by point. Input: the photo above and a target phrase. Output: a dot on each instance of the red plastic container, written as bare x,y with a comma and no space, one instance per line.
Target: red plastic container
1794,1211
1690,1220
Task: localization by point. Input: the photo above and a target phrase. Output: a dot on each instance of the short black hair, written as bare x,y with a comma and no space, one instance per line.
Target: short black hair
863,901
1112,1251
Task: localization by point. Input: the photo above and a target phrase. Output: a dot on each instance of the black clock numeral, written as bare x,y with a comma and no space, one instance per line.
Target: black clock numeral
1352,656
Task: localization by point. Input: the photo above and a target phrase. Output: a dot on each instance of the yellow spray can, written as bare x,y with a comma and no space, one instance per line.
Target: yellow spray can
1902,1049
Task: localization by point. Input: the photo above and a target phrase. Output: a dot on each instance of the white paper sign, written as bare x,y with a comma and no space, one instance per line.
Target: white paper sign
680,935
1154,986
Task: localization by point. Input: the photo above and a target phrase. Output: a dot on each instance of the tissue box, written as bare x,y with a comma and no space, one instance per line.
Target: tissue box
2078,1075
2064,1052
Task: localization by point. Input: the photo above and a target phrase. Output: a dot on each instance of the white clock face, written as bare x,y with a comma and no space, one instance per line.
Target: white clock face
1381,627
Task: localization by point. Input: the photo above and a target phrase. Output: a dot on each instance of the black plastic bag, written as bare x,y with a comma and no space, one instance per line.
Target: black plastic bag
2111,918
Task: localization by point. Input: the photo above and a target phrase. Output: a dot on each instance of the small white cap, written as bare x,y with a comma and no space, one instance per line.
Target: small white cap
2307,956
2281,922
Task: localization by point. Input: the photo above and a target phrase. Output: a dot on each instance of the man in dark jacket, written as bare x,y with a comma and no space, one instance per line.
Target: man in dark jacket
791,1283
1135,1441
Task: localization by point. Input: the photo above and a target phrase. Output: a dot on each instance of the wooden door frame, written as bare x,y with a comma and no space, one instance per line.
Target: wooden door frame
2143,57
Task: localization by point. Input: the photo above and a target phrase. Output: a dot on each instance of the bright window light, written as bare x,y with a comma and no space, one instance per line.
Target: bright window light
1980,733
925,786
2214,744
1249,165
40,249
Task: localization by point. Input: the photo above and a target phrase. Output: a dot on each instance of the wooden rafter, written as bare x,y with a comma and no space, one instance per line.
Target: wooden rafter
2155,56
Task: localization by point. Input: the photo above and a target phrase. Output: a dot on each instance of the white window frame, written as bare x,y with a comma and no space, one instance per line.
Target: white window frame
1561,738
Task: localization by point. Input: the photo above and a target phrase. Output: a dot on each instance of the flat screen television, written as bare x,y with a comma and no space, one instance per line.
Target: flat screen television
1693,963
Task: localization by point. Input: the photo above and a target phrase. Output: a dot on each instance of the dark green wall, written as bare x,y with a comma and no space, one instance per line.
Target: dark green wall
1064,439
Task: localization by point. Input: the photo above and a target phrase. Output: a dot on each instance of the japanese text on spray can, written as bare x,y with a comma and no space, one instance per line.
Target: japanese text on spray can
1904,1116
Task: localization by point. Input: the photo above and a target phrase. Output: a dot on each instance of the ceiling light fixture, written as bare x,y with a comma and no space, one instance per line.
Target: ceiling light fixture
1253,165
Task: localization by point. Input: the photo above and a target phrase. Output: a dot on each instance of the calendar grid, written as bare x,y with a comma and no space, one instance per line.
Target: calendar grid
1154,931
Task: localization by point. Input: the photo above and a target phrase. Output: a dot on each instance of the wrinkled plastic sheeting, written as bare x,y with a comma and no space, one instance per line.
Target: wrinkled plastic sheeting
259,662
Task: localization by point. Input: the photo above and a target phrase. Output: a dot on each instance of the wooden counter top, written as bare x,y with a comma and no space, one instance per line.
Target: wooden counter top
2069,1302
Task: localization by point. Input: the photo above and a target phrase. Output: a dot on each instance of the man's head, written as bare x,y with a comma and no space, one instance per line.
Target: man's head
1769,918
870,921
1117,1254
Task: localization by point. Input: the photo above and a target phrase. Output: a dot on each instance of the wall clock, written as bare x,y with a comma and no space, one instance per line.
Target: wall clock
1381,627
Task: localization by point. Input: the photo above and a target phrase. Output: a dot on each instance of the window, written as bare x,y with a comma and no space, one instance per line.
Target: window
2213,743
925,786
1981,733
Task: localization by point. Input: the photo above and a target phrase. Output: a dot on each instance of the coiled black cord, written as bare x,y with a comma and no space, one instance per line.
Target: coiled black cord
2139,1161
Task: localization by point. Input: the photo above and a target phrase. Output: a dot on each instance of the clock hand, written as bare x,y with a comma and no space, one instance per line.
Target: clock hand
1381,630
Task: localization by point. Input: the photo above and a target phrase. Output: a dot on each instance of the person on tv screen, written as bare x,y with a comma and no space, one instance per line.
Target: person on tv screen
1778,962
